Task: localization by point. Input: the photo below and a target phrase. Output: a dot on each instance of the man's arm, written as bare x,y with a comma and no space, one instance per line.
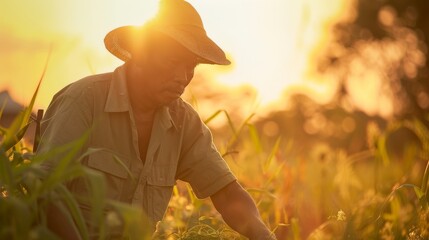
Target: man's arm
240,213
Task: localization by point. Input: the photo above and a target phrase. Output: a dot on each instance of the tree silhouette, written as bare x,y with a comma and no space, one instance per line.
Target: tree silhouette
390,39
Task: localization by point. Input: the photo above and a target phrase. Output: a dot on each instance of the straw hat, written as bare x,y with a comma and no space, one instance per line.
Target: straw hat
176,19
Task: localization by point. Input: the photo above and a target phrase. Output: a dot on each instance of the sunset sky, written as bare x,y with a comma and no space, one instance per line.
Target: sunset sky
271,43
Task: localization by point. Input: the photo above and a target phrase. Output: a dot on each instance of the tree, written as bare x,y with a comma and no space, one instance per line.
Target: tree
385,41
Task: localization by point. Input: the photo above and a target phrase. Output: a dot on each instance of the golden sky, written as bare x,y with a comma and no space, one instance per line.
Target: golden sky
272,43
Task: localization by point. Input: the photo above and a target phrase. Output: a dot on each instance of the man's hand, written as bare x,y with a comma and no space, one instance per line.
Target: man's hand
240,213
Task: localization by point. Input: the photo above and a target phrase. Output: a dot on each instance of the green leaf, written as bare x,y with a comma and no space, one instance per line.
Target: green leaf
3,106
73,211
64,167
261,191
425,179
273,152
237,133
134,220
19,210
194,200
418,192
6,172
15,132
254,136
97,197
382,149
90,151
230,124
213,116
11,135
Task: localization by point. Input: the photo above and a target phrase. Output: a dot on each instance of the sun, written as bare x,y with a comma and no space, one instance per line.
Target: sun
271,43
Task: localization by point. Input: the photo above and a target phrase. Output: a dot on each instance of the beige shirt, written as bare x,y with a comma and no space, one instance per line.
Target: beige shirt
180,147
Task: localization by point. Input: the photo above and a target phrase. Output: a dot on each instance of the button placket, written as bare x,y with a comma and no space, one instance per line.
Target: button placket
134,134
138,194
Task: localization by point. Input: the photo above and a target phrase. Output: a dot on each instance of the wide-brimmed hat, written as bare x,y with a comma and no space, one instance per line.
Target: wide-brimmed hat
176,19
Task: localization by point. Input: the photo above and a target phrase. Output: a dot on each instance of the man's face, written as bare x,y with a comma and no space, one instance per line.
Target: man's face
166,70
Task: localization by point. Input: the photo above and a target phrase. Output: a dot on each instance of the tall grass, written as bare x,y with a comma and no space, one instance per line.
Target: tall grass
190,218
324,194
26,189
321,194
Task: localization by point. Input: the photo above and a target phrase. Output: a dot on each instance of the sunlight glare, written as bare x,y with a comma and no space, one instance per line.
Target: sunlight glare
274,42
271,43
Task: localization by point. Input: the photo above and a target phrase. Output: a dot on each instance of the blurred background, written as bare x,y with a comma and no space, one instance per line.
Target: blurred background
273,46
327,101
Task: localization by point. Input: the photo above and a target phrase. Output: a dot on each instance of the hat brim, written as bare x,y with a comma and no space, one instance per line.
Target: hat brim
195,40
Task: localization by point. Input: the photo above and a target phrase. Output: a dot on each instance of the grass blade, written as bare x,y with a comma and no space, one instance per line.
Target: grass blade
19,123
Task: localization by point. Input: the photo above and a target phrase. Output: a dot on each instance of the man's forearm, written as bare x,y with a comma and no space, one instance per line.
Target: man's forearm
239,211
245,219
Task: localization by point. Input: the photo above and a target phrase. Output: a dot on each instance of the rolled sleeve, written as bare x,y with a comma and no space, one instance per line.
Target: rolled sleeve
201,165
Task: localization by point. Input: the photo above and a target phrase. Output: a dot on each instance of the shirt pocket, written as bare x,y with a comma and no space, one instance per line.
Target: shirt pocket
113,172
158,192
164,166
107,163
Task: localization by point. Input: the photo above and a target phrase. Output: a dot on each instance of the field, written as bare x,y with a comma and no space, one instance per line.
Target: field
321,192
303,191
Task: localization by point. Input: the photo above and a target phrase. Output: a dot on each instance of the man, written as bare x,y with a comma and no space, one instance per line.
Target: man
136,112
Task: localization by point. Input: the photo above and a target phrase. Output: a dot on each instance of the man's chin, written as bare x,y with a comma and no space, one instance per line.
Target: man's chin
167,101
172,96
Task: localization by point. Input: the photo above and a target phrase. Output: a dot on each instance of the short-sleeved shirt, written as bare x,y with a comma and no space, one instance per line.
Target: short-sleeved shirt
180,146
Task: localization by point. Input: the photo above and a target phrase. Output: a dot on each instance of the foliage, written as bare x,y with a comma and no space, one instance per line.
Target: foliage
27,189
188,218
383,43
313,192
323,194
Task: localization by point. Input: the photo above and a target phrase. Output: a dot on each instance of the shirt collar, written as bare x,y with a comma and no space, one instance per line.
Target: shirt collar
165,118
118,100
